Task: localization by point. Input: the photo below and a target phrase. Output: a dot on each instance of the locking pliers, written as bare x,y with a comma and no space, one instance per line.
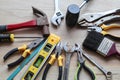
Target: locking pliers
97,19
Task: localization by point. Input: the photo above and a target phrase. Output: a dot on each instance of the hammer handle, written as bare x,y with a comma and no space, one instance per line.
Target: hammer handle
10,27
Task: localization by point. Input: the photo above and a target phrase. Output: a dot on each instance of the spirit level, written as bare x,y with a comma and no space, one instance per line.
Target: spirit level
26,61
41,58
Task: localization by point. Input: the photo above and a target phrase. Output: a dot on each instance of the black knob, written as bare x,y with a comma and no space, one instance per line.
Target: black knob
72,15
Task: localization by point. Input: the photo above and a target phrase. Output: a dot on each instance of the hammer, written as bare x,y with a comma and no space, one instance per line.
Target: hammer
41,22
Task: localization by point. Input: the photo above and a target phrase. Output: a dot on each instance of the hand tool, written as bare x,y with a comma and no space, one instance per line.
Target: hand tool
41,58
69,50
97,19
103,30
40,22
26,50
57,55
10,37
81,64
72,14
108,74
58,15
97,42
26,61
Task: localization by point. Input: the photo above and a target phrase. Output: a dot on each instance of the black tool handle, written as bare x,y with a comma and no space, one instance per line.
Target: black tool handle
10,53
60,73
6,37
16,62
46,71
90,72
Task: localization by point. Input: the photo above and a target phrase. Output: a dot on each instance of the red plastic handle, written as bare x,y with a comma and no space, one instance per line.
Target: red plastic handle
28,24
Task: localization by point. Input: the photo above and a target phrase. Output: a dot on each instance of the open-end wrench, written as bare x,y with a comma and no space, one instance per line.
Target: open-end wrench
58,15
69,49
108,74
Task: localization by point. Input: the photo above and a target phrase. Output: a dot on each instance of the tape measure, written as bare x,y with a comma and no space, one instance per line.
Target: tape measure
41,57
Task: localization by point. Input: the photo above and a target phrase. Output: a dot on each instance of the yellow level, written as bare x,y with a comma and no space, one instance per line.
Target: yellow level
41,57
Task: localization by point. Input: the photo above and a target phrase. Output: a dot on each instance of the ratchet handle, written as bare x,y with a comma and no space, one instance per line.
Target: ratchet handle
10,27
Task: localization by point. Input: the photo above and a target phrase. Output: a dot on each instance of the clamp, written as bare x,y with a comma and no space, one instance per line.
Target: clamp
97,19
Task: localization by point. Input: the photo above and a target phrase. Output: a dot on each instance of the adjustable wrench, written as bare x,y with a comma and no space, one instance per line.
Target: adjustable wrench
69,49
58,15
108,74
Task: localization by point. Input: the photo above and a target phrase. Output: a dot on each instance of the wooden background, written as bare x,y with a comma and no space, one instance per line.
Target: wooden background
16,11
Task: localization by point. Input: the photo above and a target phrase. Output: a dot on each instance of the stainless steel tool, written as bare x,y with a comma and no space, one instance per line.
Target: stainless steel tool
90,19
58,15
69,50
108,74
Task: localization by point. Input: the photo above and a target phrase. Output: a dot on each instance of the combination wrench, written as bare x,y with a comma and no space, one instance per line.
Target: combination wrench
69,50
58,15
108,74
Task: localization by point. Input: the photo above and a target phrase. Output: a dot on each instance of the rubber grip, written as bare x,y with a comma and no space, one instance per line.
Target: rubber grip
60,73
2,28
28,24
90,72
10,53
46,71
16,62
78,72
5,38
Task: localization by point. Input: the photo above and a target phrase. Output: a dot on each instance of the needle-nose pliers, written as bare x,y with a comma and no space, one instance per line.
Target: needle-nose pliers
27,50
81,64
57,55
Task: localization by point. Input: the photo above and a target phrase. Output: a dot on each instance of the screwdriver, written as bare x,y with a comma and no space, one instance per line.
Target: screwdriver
11,37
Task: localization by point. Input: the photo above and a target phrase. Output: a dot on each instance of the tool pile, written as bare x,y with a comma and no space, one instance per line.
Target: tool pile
44,51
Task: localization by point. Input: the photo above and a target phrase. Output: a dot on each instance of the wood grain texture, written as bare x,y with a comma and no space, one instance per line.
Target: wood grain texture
15,11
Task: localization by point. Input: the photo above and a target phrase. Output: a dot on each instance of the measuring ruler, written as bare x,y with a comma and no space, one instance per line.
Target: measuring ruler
41,57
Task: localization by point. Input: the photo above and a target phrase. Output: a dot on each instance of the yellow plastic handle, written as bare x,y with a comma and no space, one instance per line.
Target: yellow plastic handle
106,27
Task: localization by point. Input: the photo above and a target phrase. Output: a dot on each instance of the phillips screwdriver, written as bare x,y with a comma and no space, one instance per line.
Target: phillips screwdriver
11,37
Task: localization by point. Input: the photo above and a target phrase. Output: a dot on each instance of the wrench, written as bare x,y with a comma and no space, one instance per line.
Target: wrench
69,49
108,74
58,15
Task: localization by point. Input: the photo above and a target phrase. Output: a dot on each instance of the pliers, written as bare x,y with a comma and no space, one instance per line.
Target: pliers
97,19
103,30
56,55
26,51
81,64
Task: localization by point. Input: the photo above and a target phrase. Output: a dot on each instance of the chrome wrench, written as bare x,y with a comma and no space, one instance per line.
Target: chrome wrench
69,49
108,74
58,15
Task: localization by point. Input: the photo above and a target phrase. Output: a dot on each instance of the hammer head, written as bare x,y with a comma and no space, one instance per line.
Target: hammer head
42,21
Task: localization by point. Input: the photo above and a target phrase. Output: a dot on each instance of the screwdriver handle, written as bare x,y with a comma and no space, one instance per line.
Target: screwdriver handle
6,37
10,27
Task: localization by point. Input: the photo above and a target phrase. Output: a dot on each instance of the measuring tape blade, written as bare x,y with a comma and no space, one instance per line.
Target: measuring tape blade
26,61
41,58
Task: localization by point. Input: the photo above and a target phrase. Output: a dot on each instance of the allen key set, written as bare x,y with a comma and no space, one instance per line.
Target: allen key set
39,56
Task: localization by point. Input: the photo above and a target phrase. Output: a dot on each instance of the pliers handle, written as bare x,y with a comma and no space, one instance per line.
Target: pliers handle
27,50
103,30
50,63
83,65
11,52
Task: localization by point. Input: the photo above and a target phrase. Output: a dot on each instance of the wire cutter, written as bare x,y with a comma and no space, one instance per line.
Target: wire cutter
27,50
57,55
81,64
103,30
